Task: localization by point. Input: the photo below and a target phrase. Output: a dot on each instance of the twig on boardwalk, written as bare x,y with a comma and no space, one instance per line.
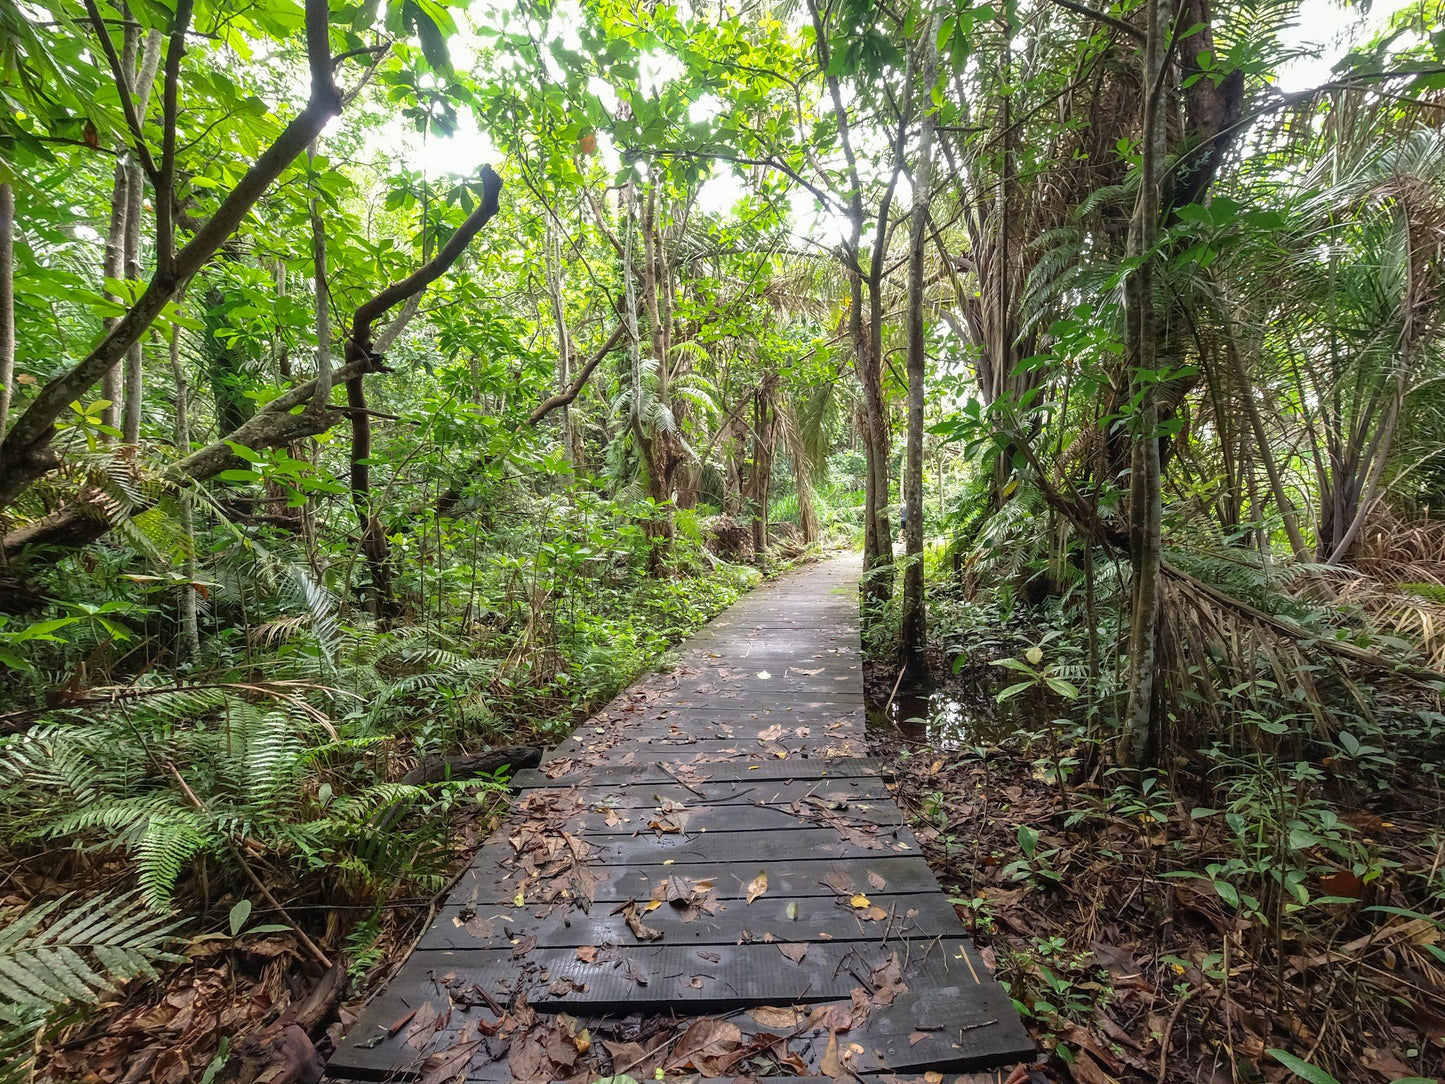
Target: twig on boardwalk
679,782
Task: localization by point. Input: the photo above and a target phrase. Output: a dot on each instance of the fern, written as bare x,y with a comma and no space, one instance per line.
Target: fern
69,952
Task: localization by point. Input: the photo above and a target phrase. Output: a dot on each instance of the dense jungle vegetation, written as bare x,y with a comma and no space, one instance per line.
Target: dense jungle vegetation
383,384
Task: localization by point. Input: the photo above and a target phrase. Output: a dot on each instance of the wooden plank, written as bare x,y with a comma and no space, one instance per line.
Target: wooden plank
962,1025
869,789
722,816
757,848
489,884
753,741
463,926
701,980
820,768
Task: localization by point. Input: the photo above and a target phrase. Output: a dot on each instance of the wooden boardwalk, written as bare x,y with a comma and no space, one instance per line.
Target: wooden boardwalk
708,878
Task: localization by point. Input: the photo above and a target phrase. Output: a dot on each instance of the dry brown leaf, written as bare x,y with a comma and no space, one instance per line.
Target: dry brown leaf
830,1064
709,1046
587,954
794,952
758,885
771,1017
640,930
878,883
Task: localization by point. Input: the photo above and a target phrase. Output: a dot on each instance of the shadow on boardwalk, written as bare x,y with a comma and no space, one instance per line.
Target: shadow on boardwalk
707,879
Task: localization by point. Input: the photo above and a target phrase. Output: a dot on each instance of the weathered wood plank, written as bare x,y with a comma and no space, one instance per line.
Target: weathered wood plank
695,816
940,1018
869,789
490,884
853,845
651,774
461,925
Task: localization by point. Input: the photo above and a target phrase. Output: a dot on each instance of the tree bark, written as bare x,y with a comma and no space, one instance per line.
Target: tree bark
133,384
1141,738
26,453
915,614
7,303
362,358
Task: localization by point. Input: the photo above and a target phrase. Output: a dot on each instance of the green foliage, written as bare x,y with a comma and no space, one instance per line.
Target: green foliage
66,953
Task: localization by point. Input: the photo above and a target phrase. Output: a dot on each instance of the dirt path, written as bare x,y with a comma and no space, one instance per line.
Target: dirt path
707,878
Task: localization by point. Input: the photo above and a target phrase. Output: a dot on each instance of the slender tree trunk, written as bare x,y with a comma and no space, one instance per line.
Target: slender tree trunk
915,615
132,387
1266,455
1141,737
190,643
7,303
760,516
555,276
112,268
322,297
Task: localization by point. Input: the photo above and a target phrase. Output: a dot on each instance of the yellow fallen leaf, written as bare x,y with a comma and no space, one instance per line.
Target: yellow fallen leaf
933,1078
520,899
758,885
653,906
861,901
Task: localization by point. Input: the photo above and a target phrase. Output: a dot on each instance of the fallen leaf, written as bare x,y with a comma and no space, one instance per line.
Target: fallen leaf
524,946
933,1077
448,1065
831,1065
772,1017
861,902
887,981
763,675
634,922
794,952
587,954
709,1046
840,882
878,883
758,885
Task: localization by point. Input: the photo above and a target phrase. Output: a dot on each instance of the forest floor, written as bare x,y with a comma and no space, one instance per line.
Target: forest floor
1096,907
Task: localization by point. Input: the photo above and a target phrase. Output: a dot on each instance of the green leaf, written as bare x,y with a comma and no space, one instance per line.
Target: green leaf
239,914
1302,1069
1028,839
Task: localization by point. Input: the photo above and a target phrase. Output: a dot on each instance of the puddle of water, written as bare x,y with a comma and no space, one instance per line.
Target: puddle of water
947,718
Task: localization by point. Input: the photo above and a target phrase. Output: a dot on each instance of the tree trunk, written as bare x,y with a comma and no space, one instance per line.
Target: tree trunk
7,303
915,615
112,268
1142,737
190,641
